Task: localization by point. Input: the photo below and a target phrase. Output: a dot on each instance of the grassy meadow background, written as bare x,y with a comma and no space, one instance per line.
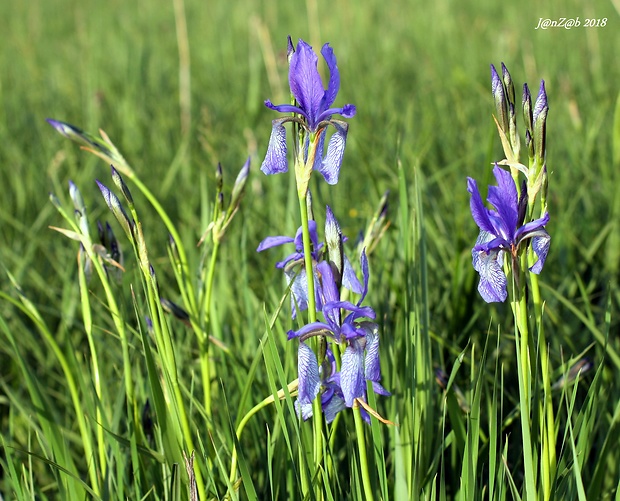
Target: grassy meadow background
418,73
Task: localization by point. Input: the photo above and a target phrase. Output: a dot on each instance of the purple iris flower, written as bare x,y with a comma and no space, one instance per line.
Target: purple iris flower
313,111
293,266
360,360
502,230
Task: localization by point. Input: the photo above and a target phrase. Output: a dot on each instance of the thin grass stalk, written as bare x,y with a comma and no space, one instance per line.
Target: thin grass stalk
116,316
185,94
33,313
167,351
88,329
52,432
246,419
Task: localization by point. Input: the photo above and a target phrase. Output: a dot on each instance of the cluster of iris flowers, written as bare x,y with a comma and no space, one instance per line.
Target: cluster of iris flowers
351,351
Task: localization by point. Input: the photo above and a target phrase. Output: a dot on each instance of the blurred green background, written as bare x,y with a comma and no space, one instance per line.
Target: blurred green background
418,73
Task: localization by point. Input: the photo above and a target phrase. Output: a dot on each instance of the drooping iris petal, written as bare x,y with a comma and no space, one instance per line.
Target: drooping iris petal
492,286
540,245
276,160
332,407
304,410
320,149
330,165
379,389
308,368
372,368
352,379
298,283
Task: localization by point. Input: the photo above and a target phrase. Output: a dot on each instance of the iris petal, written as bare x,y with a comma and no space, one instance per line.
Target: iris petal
532,228
270,242
352,379
349,278
310,329
305,81
320,150
540,245
334,76
330,166
478,211
492,286
308,368
372,368
276,160
333,407
504,198
304,410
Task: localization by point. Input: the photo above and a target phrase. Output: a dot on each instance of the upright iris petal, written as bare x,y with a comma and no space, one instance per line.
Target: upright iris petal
502,231
313,111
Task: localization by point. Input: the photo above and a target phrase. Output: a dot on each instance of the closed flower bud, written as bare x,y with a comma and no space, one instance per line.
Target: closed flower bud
120,184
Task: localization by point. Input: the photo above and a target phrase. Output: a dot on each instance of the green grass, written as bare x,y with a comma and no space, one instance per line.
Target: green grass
418,73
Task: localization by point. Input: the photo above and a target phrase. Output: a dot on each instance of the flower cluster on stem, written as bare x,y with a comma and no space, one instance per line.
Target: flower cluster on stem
312,110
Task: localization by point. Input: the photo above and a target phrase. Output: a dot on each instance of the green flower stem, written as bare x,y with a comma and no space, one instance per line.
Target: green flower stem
205,364
519,308
361,446
316,404
548,459
547,418
308,259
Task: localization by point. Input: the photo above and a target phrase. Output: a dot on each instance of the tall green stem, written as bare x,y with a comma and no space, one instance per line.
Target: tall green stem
361,445
548,456
205,364
309,267
519,307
